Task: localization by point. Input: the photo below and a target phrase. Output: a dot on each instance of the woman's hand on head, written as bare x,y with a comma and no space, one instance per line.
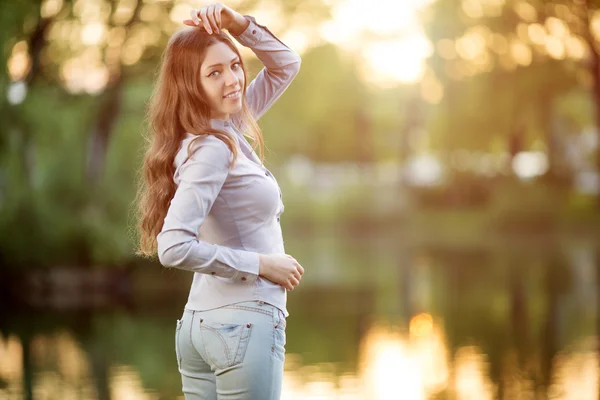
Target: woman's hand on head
282,269
214,17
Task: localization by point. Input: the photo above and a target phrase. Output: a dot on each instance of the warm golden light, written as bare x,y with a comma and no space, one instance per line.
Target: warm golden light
11,358
537,34
50,8
446,49
521,52
557,27
472,9
471,45
576,47
479,8
526,11
132,52
555,48
576,374
386,61
432,90
498,44
471,373
150,12
181,11
595,24
90,11
389,369
414,368
126,385
507,62
421,325
125,9
389,63
19,62
116,36
79,75
92,34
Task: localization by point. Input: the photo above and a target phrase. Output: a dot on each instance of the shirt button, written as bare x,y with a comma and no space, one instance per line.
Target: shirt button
254,31
277,219
267,173
243,278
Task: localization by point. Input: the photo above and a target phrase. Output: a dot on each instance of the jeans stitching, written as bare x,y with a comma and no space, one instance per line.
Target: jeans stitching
191,326
274,345
243,337
177,347
227,352
247,308
250,309
281,323
277,325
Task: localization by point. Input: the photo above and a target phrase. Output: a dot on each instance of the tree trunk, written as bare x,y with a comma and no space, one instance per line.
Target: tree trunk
102,130
108,112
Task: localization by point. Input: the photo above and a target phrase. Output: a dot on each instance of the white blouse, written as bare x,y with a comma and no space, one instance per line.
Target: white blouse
220,218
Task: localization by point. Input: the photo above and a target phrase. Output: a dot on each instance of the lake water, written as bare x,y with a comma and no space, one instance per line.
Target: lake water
376,317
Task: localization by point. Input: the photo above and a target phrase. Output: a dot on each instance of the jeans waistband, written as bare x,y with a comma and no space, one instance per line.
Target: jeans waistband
254,306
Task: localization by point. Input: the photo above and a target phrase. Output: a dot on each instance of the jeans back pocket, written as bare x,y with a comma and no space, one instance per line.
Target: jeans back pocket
224,344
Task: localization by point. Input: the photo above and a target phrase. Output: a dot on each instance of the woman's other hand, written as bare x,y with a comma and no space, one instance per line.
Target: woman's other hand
214,17
282,269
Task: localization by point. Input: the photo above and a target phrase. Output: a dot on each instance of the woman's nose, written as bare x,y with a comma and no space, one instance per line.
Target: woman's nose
231,78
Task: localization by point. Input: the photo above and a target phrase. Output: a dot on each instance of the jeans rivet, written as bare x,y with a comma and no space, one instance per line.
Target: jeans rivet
276,325
201,320
249,325
273,349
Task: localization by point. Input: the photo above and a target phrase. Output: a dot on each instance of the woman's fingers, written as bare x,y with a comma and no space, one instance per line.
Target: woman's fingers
217,14
204,19
298,266
194,17
210,15
198,19
297,274
290,283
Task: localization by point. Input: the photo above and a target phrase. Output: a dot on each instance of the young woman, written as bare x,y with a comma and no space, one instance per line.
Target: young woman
207,204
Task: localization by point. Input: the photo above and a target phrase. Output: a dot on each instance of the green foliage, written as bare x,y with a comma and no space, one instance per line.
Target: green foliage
52,211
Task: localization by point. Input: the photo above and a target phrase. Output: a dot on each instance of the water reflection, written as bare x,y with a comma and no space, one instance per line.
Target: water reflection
424,323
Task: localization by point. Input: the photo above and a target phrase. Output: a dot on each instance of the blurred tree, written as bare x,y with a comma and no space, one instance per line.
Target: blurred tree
326,103
505,65
73,68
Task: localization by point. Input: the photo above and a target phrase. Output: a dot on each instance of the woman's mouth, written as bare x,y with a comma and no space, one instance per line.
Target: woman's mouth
233,95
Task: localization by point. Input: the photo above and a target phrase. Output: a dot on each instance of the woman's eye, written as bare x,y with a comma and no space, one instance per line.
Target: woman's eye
213,73
236,65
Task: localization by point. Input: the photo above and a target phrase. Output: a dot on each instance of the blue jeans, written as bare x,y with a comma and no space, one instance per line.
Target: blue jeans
234,352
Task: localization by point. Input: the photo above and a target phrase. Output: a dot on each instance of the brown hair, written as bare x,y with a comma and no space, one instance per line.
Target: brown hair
177,106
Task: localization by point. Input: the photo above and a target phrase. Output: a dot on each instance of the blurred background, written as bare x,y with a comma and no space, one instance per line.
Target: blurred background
440,171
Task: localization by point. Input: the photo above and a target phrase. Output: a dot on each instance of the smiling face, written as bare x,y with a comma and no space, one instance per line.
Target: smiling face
222,79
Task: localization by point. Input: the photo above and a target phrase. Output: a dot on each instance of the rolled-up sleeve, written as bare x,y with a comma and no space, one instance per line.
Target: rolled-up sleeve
201,178
281,65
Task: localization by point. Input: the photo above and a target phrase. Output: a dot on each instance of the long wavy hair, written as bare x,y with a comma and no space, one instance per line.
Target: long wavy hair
179,105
